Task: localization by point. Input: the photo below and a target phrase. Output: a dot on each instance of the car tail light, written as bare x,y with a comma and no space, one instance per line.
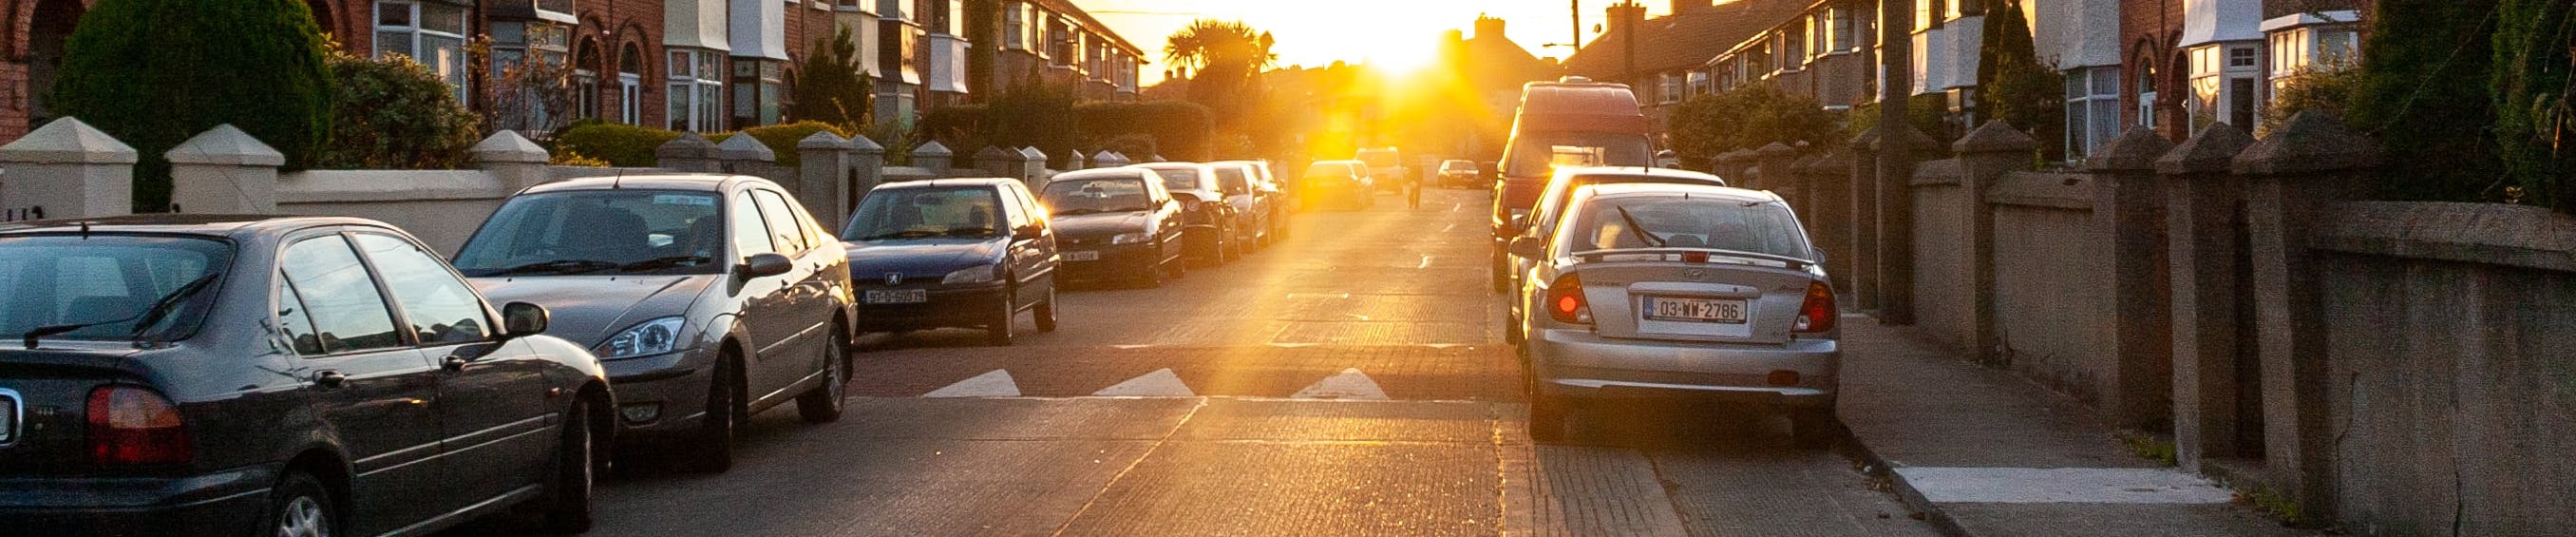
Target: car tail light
1565,301
133,425
1817,314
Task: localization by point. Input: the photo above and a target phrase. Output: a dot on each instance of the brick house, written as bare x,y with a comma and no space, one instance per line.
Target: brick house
1825,51
1657,57
1056,41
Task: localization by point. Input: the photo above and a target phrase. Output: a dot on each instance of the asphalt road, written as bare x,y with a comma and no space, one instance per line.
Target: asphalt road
1348,380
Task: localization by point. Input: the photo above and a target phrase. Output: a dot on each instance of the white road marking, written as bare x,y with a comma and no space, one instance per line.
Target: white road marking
995,383
1451,227
1131,347
1291,345
1426,263
1349,384
2061,485
1160,383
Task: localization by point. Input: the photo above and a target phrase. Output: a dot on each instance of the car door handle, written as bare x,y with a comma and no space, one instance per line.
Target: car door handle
453,363
330,379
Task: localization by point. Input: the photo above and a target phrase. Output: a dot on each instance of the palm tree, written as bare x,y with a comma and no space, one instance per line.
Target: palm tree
1220,59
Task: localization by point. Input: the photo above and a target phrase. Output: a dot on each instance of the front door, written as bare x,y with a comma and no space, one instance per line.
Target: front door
497,418
769,302
376,394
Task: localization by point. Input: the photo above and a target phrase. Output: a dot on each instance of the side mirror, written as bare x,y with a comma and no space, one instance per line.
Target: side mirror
1029,232
524,319
1819,254
765,265
1520,222
1528,247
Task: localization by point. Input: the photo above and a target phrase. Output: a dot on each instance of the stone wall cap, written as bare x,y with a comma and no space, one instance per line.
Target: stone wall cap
742,146
1775,150
1914,139
994,153
508,147
1032,153
1995,137
1739,155
2477,233
228,145
2312,142
823,140
2211,151
1809,164
932,149
861,143
2136,149
68,141
688,145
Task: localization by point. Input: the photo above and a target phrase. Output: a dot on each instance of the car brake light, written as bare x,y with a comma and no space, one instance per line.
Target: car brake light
1817,314
133,425
1565,301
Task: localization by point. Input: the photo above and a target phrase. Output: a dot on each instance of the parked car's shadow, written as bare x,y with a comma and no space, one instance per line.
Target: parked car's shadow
1678,426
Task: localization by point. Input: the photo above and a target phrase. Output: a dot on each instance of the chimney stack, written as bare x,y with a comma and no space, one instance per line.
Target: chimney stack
1488,26
1626,14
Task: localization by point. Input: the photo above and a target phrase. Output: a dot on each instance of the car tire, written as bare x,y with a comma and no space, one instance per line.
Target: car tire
300,507
1046,312
997,331
1813,428
1546,417
568,500
823,404
710,450
1502,276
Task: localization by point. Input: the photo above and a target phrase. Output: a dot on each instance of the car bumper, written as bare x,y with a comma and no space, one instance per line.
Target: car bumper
228,502
960,306
672,385
1115,262
1578,363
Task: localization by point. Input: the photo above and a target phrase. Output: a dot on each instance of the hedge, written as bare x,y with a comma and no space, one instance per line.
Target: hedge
2436,130
393,113
622,145
2535,118
154,73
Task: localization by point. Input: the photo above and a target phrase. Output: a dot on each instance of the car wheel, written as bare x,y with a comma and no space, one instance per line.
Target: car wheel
1813,428
300,507
712,450
1502,276
1546,418
997,331
1046,312
823,403
1512,330
568,494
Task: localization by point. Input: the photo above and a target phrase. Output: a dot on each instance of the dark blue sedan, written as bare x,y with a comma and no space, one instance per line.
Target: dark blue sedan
962,253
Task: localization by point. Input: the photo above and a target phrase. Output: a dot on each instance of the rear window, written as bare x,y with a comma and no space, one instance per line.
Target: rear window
1090,196
1179,178
1231,179
1539,154
1655,221
112,287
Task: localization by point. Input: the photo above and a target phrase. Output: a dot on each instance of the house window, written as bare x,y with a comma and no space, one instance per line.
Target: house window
696,91
630,98
1671,88
1793,51
758,84
1845,30
2222,86
2092,110
1699,82
585,87
432,33
2147,96
1015,32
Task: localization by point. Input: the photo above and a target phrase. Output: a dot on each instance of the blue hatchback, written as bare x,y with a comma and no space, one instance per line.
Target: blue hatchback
961,253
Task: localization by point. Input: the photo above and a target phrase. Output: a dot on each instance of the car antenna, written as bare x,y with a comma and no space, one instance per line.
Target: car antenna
619,181
84,229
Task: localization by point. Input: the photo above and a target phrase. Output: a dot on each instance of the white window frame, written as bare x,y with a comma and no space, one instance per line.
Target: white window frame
630,98
2092,110
454,74
688,84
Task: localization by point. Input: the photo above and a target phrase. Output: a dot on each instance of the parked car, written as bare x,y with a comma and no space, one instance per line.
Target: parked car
1274,194
1213,223
1346,180
709,298
1572,122
255,375
1542,219
1458,174
1251,205
967,253
1116,223
1385,167
1670,290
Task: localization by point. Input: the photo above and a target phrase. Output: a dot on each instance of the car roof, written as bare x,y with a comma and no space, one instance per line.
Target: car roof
1720,192
1641,171
659,181
211,225
1103,173
949,183
1170,165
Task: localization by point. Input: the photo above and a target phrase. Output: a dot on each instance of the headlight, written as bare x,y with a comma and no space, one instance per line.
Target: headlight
646,338
1128,238
982,274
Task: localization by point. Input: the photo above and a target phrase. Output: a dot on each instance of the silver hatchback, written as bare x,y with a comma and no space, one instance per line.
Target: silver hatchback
1671,290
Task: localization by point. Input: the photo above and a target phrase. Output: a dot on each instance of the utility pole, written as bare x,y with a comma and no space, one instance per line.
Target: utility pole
1895,164
1577,7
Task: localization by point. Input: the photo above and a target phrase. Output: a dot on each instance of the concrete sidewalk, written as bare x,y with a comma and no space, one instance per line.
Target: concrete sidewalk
1987,453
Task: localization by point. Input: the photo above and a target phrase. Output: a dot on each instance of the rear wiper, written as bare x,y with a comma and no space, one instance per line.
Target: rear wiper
663,262
1639,229
559,266
150,315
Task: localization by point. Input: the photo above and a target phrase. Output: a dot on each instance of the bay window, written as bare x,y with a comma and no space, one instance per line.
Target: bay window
432,33
1015,22
696,90
758,85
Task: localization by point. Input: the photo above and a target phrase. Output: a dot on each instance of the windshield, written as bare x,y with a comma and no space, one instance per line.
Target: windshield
1674,221
599,232
1232,180
107,287
1177,178
919,213
1090,196
1539,154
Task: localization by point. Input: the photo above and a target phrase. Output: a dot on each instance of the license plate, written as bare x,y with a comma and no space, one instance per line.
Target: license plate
895,296
1082,256
1700,310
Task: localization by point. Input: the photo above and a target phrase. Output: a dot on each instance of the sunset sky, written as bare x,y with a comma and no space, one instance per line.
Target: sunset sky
1397,34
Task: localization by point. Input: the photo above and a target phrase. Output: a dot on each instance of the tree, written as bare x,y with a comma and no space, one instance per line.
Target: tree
153,73
829,87
2535,124
1225,58
2015,86
393,113
530,94
1750,117
2436,133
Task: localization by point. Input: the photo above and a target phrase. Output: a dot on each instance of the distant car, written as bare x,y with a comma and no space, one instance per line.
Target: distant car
1689,291
1542,219
1344,180
1274,193
256,375
1386,167
1115,223
952,253
1213,224
709,298
1459,174
1251,204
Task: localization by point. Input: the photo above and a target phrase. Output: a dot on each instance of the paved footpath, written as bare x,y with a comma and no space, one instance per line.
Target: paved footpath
1348,381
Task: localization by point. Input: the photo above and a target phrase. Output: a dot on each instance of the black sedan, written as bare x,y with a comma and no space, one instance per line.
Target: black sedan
1116,223
709,298
213,375
952,253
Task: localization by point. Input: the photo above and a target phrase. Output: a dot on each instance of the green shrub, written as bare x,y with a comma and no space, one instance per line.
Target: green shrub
828,86
620,145
153,73
2535,118
782,139
2018,89
2436,131
1750,117
393,113
2328,89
